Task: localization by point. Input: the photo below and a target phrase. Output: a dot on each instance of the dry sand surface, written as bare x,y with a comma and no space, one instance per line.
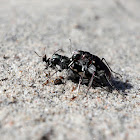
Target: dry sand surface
30,110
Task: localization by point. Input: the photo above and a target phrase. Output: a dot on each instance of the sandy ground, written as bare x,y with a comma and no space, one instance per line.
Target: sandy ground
31,110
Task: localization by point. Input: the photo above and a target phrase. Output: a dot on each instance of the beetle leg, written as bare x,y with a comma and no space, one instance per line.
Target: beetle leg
70,64
52,75
90,83
80,81
110,68
110,84
114,87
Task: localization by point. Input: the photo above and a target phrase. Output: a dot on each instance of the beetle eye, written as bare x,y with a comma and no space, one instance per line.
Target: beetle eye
54,60
76,56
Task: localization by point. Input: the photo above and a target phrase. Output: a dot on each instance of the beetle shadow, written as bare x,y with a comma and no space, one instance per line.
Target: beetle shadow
120,85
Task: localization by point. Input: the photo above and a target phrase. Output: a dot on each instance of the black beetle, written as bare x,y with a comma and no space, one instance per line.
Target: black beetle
57,62
93,68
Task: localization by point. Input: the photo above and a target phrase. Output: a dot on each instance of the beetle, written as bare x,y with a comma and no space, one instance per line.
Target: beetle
82,67
93,68
57,62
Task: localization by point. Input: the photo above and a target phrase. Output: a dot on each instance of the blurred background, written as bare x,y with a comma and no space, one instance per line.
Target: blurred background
107,28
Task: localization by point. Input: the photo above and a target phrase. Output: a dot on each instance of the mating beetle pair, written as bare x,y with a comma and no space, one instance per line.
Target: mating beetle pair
83,67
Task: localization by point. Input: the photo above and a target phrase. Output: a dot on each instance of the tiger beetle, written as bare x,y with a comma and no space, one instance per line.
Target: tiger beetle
84,67
93,68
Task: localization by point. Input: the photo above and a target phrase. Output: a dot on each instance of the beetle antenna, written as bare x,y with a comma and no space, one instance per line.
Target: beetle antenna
37,54
70,46
57,51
